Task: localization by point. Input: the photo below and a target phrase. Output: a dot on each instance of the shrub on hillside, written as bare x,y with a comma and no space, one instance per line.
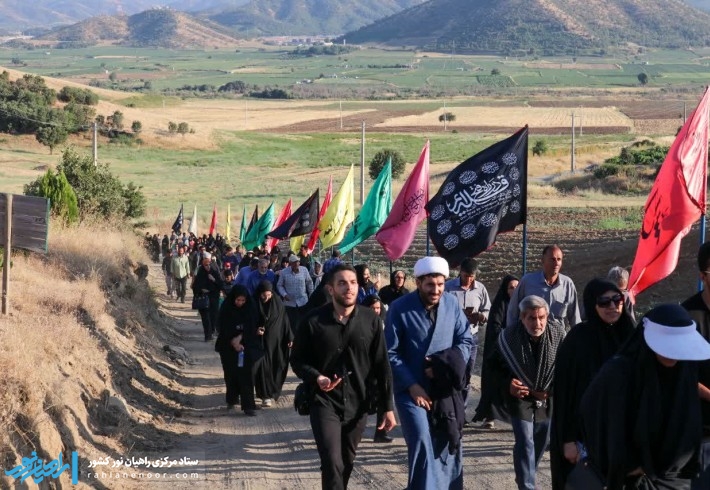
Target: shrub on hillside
62,198
98,191
78,95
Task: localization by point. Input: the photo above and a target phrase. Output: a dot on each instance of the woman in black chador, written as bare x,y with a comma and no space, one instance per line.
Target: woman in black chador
641,421
585,348
237,347
274,338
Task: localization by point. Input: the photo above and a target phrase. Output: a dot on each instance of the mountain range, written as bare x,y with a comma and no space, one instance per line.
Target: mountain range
544,26
496,26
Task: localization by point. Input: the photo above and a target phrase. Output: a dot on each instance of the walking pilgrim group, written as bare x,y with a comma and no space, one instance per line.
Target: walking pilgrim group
619,403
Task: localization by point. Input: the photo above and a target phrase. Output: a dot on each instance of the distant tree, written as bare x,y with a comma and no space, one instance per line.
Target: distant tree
113,77
16,60
147,85
447,117
115,120
235,86
643,78
136,127
183,128
495,71
100,120
172,127
380,160
540,148
62,197
52,136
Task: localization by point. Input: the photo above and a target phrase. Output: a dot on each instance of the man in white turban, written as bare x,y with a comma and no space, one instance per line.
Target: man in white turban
426,332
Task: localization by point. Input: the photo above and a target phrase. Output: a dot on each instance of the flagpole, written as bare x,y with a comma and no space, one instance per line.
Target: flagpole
427,238
703,223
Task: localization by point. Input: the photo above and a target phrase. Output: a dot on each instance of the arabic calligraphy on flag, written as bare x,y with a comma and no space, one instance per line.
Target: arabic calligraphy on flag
484,196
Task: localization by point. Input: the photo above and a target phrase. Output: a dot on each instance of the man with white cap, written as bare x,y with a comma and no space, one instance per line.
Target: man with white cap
641,415
419,326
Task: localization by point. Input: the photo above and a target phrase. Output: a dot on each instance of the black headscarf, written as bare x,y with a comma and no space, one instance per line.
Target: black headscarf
233,320
391,292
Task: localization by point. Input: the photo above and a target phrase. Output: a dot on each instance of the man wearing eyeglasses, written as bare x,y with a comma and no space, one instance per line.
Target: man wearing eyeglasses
698,306
556,289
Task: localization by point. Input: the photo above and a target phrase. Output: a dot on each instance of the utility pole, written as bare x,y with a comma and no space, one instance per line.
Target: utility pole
362,166
95,145
341,115
572,163
445,117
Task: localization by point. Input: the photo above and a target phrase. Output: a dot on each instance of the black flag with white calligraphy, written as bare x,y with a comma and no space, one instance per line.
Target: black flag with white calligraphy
484,196
301,222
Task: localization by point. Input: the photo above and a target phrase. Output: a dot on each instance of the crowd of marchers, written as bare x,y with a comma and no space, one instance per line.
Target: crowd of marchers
620,402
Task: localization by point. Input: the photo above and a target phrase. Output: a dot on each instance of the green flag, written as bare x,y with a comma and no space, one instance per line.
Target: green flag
257,234
374,211
243,226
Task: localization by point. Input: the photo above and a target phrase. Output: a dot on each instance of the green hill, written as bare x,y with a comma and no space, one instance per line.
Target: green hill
542,26
307,17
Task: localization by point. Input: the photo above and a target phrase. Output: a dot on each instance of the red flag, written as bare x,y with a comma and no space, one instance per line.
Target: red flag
676,201
213,223
326,202
397,232
283,216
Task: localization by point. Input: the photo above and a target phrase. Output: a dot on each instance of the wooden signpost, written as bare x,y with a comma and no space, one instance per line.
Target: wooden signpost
24,223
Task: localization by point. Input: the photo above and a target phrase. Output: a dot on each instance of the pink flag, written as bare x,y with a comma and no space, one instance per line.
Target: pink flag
397,232
676,201
326,202
283,216
213,223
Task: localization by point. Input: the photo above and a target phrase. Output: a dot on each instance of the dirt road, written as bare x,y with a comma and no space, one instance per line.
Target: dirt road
275,449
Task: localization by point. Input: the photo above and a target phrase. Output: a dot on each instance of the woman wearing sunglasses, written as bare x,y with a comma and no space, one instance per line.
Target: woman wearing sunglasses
585,348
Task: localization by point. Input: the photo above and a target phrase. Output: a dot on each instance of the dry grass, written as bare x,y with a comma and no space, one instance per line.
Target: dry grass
535,117
69,344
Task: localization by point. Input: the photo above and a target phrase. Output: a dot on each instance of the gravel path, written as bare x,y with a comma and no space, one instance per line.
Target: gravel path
275,450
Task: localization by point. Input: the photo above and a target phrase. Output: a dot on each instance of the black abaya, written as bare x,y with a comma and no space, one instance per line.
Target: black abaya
583,352
272,365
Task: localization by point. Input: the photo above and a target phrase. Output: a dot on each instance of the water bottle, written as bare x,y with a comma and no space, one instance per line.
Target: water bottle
240,360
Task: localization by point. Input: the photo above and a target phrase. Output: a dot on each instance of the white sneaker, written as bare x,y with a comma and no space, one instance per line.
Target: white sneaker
267,402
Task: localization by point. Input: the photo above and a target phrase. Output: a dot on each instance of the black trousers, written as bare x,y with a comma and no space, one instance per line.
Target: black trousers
231,375
245,375
180,286
294,314
337,442
209,317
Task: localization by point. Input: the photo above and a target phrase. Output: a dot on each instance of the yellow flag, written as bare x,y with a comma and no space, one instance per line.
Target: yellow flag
340,213
296,242
227,232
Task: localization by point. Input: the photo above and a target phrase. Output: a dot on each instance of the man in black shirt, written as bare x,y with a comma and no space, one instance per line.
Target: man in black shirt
698,306
338,351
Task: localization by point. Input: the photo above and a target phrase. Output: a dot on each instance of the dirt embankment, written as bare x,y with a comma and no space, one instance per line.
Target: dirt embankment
81,355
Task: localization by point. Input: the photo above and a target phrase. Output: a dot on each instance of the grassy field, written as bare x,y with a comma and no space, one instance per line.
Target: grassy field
364,68
250,168
248,151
